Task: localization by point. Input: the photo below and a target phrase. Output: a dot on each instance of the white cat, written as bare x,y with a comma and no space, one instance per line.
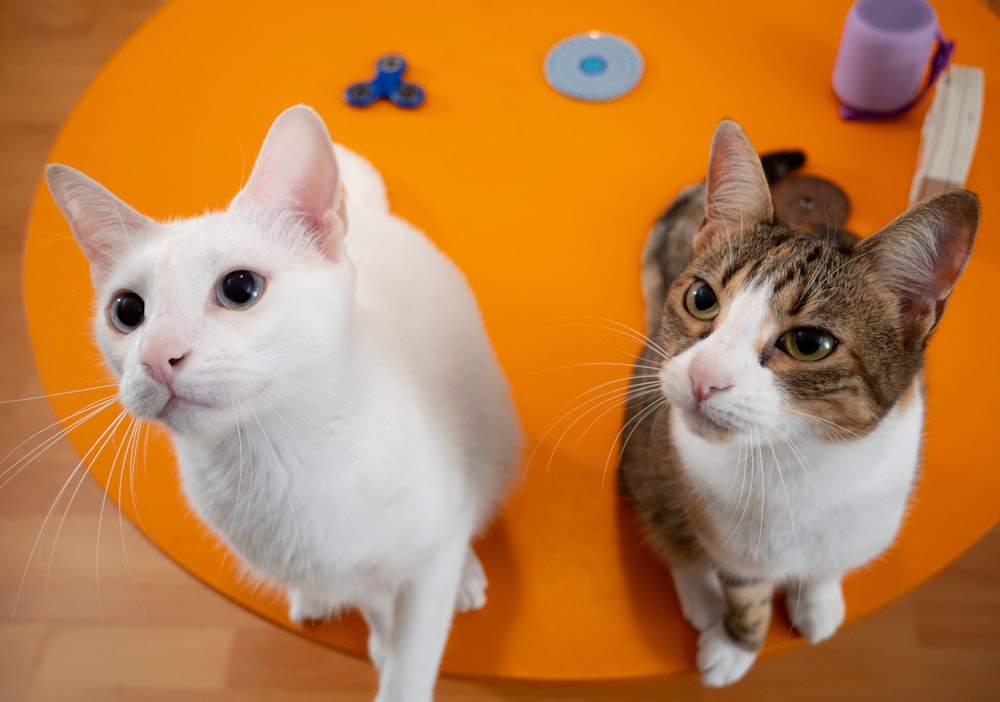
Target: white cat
339,416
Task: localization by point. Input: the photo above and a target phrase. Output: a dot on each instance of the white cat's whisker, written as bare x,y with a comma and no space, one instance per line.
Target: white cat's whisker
79,474
121,455
106,437
63,393
278,465
227,537
75,419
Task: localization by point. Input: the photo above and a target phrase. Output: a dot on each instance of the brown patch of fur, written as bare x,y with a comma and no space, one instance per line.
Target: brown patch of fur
748,612
910,396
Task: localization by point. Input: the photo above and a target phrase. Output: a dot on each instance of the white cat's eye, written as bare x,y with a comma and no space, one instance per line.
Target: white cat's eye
127,311
239,290
807,344
701,302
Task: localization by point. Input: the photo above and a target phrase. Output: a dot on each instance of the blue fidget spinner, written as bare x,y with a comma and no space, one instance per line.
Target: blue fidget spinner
387,83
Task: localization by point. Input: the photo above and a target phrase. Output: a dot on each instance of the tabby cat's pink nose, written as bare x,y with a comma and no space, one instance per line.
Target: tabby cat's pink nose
707,378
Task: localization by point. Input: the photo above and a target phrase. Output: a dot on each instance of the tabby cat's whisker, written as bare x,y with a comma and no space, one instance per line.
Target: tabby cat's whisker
636,421
633,334
840,430
763,491
598,364
602,402
751,460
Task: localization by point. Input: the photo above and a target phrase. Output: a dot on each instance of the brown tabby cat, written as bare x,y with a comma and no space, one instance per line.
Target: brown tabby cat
774,417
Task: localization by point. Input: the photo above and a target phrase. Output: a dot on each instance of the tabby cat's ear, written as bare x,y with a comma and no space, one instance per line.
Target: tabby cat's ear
922,253
296,171
737,194
102,223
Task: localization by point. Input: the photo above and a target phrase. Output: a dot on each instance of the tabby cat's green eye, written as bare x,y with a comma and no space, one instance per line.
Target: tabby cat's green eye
806,344
701,301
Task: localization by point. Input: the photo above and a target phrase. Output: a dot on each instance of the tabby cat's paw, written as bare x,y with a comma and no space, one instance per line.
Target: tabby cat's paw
817,613
720,660
472,588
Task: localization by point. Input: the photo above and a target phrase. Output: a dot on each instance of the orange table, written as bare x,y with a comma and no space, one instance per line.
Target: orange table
545,203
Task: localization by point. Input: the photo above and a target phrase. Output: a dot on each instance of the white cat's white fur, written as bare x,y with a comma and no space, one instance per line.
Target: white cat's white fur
349,433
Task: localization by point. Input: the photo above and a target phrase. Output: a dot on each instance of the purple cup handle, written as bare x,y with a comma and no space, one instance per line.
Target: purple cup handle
942,57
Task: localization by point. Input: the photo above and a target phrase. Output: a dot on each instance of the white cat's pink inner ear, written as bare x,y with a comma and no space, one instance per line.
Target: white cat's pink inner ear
102,223
297,170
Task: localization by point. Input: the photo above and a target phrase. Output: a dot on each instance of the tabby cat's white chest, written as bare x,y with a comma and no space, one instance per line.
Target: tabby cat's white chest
782,510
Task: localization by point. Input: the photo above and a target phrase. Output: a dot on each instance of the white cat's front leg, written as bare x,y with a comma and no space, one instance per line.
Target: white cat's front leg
424,612
377,611
472,588
817,609
304,608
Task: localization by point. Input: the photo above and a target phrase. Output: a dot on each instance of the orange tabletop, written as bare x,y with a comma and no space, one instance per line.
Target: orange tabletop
544,202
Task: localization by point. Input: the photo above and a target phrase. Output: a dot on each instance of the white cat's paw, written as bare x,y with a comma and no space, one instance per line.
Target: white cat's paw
720,660
472,588
700,595
303,610
376,651
817,613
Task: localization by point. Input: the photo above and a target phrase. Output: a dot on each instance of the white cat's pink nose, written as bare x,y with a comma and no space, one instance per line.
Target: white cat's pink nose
707,378
163,361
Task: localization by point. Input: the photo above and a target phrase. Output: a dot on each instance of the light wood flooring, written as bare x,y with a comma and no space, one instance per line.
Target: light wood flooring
87,629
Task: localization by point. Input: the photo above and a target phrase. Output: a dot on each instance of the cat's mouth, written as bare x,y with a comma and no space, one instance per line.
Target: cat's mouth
706,424
179,404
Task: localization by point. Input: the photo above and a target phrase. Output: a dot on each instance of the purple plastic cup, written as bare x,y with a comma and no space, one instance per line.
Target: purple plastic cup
884,53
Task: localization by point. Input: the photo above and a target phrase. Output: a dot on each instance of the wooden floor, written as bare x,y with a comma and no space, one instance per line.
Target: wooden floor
91,624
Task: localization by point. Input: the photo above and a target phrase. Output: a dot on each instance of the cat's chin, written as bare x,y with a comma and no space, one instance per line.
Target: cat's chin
702,425
183,415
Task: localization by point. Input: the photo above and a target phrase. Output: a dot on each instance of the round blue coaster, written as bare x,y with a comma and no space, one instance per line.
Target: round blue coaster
593,67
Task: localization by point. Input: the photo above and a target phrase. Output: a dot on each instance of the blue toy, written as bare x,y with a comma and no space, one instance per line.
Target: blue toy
387,83
593,67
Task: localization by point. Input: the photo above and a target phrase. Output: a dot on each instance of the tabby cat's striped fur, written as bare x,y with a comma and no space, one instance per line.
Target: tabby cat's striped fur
774,417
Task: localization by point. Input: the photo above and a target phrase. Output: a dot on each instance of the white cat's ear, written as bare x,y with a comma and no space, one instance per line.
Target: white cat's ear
736,190
297,171
922,253
102,223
